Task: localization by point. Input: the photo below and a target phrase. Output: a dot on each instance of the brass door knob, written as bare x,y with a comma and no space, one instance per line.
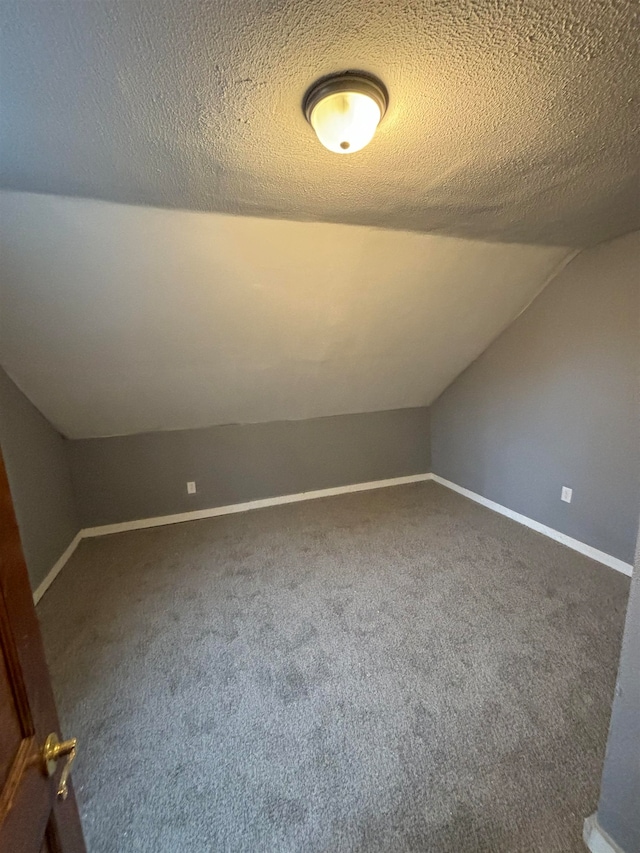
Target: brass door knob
53,750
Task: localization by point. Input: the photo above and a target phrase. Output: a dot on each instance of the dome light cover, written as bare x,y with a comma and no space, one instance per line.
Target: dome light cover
345,110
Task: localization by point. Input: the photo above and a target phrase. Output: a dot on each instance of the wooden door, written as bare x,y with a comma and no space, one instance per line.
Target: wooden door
33,817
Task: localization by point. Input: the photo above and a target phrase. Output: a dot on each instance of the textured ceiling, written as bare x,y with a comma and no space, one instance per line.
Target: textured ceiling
121,319
509,120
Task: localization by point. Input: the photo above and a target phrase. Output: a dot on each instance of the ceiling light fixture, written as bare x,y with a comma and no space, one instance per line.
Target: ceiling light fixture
345,110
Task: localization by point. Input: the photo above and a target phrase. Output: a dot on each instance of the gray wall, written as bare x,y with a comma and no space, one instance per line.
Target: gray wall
619,807
553,402
40,480
139,476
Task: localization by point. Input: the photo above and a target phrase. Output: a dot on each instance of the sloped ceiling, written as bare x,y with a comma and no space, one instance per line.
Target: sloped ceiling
121,319
134,297
509,121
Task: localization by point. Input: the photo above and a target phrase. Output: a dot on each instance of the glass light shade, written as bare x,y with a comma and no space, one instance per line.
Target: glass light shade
345,121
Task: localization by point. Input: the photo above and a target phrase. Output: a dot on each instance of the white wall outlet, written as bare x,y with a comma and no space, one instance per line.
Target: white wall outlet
191,488
567,494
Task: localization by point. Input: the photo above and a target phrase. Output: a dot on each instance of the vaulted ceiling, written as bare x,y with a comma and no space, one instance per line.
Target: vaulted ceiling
508,121
178,250
121,319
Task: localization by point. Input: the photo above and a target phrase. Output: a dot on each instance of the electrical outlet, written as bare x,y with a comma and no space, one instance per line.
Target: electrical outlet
567,494
191,488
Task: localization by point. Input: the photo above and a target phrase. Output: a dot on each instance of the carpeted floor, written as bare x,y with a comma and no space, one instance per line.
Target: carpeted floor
395,670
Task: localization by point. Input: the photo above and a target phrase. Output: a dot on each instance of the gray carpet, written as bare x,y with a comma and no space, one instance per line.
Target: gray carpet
396,670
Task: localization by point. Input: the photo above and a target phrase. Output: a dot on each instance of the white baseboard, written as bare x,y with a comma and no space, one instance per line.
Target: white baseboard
194,515
57,566
575,544
177,518
597,839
